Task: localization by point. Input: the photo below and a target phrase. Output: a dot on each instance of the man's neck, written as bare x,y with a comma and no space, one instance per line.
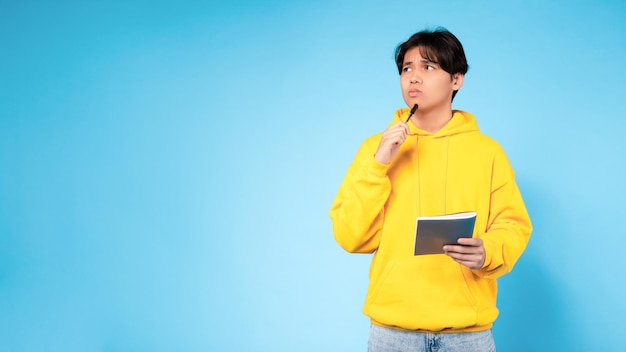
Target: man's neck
432,120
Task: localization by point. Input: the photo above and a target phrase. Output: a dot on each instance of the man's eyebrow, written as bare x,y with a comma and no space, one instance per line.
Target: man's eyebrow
423,61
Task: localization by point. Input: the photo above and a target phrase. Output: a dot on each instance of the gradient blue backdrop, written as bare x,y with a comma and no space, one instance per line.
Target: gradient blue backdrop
166,167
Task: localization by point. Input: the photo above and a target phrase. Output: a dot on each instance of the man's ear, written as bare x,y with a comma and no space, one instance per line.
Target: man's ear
457,81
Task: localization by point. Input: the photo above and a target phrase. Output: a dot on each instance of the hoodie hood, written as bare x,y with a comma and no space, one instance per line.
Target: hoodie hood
461,122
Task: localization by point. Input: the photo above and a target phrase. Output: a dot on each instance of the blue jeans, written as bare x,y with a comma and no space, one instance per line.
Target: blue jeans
391,340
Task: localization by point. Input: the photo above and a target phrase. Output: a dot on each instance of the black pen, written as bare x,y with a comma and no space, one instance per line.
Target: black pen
411,114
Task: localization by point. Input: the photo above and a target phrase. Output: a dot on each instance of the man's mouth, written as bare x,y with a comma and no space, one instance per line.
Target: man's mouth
414,92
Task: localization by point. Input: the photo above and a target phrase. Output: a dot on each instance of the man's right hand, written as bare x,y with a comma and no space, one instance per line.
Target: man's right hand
390,142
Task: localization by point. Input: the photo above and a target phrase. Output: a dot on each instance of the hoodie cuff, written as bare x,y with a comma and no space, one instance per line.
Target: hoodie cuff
490,266
376,168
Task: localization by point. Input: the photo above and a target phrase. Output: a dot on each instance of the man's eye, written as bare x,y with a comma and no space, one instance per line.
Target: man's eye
429,67
406,69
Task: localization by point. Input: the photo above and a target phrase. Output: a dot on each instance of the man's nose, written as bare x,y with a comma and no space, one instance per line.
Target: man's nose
415,78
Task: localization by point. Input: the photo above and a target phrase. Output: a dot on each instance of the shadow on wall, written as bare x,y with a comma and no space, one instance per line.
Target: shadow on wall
534,310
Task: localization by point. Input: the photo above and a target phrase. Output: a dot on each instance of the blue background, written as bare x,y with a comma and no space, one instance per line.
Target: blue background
166,167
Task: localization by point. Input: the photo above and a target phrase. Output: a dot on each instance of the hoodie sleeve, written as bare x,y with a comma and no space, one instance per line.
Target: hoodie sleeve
358,209
509,226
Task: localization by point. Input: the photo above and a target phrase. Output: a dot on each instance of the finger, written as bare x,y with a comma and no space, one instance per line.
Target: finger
394,137
465,256
400,126
405,128
395,130
474,242
470,260
453,248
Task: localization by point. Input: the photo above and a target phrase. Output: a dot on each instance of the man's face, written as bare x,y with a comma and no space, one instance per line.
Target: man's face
425,83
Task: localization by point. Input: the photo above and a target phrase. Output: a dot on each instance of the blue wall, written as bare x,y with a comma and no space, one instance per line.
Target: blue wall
166,168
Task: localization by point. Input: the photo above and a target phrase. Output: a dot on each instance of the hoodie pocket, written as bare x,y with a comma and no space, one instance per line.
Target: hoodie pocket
427,293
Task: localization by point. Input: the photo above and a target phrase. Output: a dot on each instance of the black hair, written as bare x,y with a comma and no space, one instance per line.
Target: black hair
439,46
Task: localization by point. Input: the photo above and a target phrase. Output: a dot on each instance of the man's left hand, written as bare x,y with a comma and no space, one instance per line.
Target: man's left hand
469,252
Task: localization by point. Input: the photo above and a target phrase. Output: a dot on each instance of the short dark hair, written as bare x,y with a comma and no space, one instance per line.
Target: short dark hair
439,46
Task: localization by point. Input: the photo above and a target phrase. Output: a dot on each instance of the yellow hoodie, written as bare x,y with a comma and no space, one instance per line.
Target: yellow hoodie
454,170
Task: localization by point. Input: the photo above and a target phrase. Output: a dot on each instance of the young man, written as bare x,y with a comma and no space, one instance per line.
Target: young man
438,163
